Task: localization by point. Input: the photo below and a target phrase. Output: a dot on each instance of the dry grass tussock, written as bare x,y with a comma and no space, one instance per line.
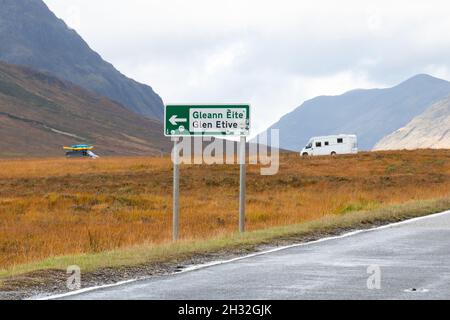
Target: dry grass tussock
54,207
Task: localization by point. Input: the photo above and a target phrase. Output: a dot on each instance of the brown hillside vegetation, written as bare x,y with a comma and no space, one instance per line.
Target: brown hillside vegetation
51,207
40,113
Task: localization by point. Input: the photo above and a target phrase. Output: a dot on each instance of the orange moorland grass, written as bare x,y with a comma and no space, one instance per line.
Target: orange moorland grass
53,207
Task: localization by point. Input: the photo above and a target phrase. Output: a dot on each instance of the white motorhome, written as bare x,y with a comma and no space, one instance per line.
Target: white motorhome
331,145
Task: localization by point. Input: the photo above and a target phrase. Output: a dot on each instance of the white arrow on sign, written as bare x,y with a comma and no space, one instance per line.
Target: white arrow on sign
174,120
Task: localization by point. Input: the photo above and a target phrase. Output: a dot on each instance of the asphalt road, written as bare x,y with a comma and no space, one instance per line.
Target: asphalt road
415,254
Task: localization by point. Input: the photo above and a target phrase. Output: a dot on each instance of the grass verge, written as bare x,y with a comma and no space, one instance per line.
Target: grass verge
233,243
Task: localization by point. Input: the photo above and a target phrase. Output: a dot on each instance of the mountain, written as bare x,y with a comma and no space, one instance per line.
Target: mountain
31,35
371,114
40,113
431,129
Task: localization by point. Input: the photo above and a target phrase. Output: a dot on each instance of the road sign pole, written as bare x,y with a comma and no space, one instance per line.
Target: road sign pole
176,192
242,185
207,120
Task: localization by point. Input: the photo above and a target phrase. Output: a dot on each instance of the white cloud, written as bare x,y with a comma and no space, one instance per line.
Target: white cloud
273,54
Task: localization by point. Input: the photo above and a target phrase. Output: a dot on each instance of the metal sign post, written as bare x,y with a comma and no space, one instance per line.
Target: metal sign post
176,192
207,120
242,185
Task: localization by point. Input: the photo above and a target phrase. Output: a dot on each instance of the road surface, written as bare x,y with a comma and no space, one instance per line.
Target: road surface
409,255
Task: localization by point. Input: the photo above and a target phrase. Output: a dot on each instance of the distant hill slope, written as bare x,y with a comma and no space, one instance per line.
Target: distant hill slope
40,113
371,114
431,129
31,35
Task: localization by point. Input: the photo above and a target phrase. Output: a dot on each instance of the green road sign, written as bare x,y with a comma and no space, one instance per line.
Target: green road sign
207,120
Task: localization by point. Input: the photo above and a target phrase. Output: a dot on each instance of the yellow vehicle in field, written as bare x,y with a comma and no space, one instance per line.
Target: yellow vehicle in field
80,150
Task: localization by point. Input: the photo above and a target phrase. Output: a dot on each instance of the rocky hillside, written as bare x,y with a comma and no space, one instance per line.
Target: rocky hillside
39,114
431,129
31,35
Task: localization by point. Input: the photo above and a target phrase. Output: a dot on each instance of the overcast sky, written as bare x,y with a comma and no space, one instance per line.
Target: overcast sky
272,54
